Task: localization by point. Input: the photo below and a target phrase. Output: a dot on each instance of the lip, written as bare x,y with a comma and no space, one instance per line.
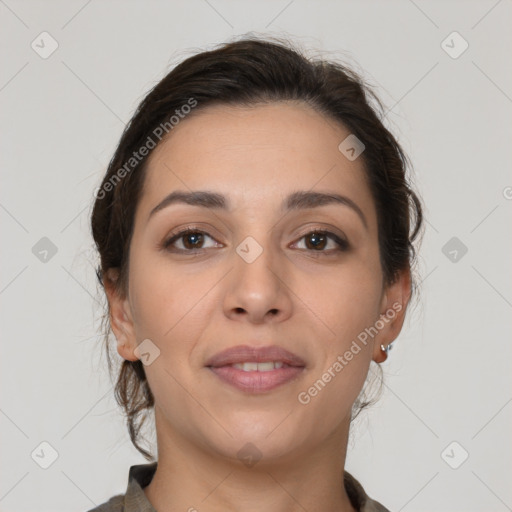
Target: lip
255,381
246,353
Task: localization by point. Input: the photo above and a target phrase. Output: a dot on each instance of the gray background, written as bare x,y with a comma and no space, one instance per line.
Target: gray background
448,378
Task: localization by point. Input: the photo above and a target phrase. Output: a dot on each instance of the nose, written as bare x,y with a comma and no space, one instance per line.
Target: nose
257,290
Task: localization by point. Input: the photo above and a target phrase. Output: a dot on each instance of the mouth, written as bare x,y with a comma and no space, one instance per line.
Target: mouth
254,366
256,369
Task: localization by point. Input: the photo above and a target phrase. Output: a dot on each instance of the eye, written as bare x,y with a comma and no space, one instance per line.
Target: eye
188,240
318,241
192,239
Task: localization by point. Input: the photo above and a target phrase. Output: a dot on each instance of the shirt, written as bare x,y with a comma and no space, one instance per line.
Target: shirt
140,475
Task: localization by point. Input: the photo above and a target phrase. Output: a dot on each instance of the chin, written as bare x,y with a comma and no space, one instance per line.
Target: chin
257,441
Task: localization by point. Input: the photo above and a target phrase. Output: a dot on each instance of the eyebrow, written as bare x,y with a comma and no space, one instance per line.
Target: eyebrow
300,200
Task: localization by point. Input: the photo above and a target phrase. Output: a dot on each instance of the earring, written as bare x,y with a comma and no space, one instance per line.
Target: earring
386,349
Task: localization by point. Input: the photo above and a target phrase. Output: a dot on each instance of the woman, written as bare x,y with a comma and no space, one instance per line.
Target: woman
255,230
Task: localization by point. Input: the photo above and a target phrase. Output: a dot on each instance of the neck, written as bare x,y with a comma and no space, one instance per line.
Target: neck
190,478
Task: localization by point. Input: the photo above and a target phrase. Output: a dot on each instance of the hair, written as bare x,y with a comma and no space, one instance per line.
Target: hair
248,72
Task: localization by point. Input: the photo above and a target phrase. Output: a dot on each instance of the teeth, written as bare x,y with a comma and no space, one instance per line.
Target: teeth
259,367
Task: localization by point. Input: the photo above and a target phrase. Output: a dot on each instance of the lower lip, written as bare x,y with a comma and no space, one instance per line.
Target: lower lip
254,381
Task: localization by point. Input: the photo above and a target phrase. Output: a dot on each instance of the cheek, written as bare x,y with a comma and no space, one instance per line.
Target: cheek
154,305
170,307
162,297
347,306
346,300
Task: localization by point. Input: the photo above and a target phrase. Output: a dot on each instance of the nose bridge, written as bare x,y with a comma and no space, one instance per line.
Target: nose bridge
254,263
256,286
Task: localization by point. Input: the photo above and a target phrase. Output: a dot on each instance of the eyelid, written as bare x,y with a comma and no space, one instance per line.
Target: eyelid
177,234
321,228
340,240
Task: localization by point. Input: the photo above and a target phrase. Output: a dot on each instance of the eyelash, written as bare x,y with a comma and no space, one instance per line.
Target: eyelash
343,245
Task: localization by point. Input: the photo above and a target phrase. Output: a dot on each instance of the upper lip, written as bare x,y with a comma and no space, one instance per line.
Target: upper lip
246,353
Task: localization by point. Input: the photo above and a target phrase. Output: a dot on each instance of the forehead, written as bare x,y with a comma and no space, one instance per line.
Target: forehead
255,155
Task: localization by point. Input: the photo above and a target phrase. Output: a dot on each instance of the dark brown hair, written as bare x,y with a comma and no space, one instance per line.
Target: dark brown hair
247,72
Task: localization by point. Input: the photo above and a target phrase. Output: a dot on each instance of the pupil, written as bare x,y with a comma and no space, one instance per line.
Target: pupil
198,239
318,240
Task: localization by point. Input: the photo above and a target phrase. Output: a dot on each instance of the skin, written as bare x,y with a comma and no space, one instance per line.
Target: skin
193,306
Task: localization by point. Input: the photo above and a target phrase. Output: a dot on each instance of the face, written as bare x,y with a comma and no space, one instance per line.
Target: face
258,270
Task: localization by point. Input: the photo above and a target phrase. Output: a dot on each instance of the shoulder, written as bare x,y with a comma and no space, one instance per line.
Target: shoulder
358,497
114,504
134,499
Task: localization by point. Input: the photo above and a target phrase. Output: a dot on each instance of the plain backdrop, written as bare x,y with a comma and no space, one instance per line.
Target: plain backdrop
439,439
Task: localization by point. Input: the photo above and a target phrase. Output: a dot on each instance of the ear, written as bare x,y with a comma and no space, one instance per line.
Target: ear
120,316
392,313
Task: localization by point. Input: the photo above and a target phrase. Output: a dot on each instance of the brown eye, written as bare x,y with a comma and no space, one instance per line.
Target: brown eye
189,240
193,240
319,240
316,240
